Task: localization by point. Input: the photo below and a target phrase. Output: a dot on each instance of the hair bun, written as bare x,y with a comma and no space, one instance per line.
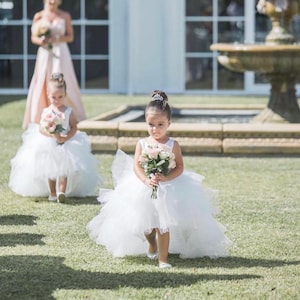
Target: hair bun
57,76
157,97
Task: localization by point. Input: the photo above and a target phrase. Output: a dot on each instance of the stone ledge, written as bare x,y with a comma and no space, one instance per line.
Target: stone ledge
200,138
101,128
261,146
104,143
199,145
188,145
261,130
196,130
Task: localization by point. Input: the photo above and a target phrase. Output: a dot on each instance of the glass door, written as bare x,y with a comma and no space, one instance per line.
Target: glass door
208,22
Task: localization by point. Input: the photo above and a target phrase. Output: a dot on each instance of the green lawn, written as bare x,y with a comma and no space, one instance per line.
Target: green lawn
45,252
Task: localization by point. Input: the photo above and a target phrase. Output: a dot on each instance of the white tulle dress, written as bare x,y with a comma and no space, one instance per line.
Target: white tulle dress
40,158
183,207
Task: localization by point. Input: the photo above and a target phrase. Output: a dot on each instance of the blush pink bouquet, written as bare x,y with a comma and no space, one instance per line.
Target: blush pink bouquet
52,121
157,158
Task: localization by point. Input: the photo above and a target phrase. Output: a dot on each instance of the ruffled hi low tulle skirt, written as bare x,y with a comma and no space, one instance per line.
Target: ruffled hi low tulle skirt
183,207
40,158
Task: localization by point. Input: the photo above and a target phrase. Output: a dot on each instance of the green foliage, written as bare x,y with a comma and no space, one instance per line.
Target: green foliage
160,166
45,252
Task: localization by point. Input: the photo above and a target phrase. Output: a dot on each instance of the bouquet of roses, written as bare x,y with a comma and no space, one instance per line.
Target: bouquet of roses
157,158
52,121
42,30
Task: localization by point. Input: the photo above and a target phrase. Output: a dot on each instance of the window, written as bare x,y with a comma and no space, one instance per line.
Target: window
90,51
208,22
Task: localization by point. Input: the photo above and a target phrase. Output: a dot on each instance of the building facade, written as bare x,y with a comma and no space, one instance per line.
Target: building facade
134,46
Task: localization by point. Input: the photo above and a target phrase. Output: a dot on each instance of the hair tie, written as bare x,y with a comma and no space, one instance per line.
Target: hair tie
57,76
157,97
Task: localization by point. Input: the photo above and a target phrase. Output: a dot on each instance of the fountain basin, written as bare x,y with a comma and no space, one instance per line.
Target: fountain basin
190,115
264,58
279,63
196,138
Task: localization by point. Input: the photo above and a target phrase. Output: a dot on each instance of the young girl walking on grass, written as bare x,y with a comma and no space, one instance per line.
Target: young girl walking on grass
156,207
55,159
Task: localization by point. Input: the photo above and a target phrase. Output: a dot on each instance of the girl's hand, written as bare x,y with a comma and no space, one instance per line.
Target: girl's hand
49,43
160,177
52,39
45,40
151,182
60,138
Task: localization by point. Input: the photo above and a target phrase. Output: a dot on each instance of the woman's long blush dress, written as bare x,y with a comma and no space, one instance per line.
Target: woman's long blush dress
49,61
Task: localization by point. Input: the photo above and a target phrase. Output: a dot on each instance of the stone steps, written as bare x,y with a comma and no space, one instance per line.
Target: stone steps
197,138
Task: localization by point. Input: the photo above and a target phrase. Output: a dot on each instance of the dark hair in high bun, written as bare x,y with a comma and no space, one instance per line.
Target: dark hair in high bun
57,79
159,101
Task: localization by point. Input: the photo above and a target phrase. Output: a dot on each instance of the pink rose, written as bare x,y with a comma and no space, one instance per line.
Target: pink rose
153,153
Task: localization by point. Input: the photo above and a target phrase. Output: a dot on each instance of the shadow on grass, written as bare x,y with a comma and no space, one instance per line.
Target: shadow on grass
37,277
17,220
82,201
14,239
70,200
223,262
11,98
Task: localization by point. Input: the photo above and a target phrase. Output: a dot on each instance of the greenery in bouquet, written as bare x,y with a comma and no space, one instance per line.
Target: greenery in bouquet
157,158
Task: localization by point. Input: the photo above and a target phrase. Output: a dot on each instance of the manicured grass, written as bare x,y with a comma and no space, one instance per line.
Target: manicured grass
45,252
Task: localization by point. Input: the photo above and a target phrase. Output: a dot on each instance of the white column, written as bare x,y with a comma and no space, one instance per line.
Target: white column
147,46
118,45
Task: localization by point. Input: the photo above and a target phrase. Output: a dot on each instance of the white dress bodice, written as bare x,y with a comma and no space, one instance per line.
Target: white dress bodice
144,143
58,27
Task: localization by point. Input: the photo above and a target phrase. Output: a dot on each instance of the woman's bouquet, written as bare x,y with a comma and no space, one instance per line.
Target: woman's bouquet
157,158
52,121
42,30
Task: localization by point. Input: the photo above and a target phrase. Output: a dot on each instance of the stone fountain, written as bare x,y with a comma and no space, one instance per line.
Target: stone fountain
278,59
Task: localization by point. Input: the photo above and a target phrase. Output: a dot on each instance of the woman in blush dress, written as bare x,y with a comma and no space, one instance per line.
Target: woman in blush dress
51,31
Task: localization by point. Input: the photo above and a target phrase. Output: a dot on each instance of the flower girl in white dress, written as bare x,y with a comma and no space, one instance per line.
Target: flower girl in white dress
156,207
55,158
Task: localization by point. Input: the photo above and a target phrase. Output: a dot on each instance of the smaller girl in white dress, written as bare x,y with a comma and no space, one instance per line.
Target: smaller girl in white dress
156,207
55,159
